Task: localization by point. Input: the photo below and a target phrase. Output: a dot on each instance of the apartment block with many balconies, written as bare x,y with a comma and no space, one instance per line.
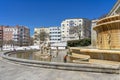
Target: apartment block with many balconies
55,34
75,29
18,35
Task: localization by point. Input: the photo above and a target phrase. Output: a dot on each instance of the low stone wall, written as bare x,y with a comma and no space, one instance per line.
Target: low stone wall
65,66
111,55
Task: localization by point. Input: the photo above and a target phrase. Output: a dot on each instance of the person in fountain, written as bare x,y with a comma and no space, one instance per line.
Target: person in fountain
14,50
65,58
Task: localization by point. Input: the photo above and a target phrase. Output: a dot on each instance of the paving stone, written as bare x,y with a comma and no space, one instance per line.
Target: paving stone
11,71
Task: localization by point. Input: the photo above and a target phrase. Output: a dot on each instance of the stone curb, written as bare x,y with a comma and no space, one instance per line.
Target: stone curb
65,66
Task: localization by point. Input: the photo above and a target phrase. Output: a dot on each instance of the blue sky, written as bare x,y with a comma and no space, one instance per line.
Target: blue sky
37,13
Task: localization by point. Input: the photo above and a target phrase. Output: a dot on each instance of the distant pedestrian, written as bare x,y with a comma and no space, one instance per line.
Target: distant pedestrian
65,58
14,50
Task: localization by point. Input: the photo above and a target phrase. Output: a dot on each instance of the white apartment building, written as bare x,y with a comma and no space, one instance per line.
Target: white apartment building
74,29
37,32
55,34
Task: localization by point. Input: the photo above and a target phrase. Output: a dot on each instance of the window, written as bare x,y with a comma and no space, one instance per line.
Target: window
21,30
63,25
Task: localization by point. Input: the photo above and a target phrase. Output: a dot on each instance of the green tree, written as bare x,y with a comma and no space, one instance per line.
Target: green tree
31,41
85,42
82,42
75,30
42,36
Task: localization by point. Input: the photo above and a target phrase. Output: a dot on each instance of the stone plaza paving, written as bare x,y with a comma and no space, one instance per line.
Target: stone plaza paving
12,71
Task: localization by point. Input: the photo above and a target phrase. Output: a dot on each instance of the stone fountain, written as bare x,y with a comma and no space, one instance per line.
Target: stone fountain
108,42
43,54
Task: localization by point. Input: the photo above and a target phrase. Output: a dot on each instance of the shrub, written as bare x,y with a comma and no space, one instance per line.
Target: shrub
82,42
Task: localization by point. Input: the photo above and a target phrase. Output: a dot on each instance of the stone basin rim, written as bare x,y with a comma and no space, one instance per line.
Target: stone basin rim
65,66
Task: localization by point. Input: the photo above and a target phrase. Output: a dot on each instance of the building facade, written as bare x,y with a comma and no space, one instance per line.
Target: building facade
1,33
55,34
37,32
24,35
18,35
1,36
74,29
